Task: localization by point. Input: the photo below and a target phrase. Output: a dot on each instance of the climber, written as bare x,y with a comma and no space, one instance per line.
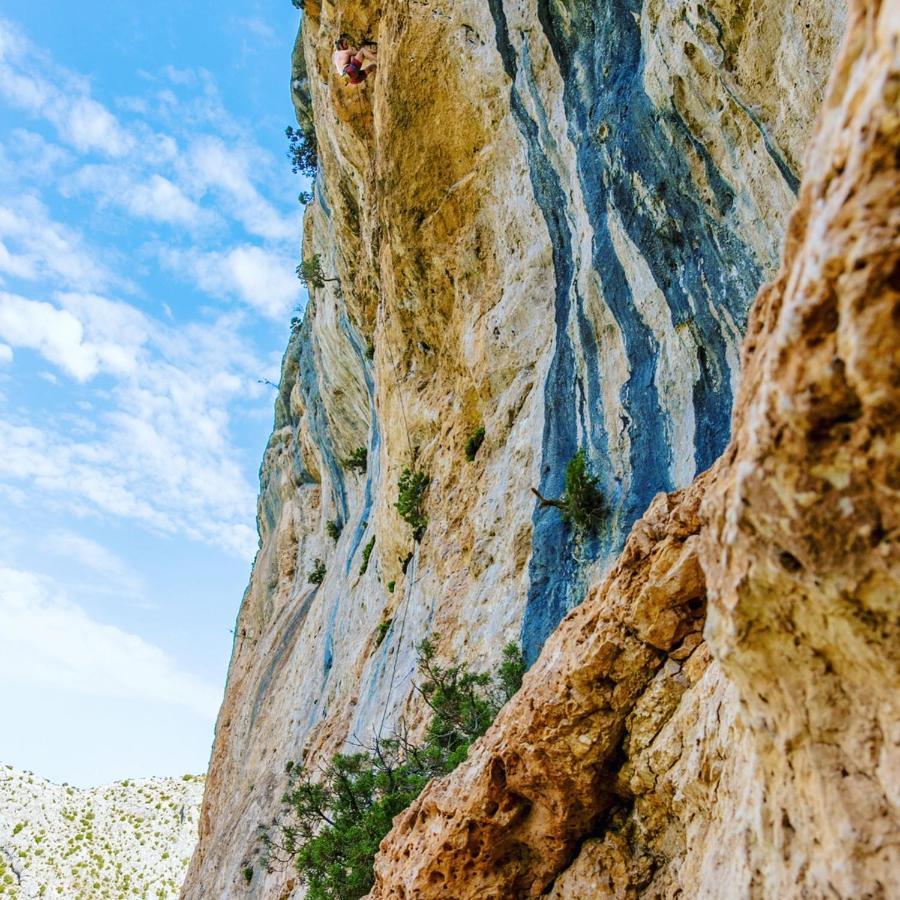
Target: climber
352,62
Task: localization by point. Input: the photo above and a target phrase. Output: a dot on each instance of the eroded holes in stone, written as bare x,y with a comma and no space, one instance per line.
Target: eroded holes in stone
447,847
498,773
789,561
893,282
436,877
696,604
876,536
518,803
490,809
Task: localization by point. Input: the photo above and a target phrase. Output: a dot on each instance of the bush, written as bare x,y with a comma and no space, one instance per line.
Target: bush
367,552
335,824
410,496
310,272
247,872
334,528
317,576
304,197
357,461
473,444
303,151
391,585
583,503
383,629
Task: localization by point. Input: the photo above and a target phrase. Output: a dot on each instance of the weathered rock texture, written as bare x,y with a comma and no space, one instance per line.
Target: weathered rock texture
765,759
550,217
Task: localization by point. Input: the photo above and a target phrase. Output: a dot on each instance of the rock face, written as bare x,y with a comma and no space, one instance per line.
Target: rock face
128,839
762,759
550,218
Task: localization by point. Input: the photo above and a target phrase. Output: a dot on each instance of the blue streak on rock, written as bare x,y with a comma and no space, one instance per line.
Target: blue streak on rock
553,571
285,643
373,464
695,260
598,50
316,416
551,568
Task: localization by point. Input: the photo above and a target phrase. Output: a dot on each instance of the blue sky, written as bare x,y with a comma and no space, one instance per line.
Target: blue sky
149,229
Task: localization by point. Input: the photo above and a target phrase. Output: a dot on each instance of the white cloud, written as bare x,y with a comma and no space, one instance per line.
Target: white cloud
263,279
160,450
160,199
212,165
47,640
119,577
89,335
259,28
27,155
54,333
36,247
152,197
63,99
6,354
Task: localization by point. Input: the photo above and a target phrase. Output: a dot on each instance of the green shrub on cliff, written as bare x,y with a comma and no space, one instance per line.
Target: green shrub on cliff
334,528
311,274
367,553
317,576
357,461
382,631
582,503
303,151
410,498
337,817
473,444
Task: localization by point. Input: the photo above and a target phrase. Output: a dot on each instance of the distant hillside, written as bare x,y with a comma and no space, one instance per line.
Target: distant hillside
129,839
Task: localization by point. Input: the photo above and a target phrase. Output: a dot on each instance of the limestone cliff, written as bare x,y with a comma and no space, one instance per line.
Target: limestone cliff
550,218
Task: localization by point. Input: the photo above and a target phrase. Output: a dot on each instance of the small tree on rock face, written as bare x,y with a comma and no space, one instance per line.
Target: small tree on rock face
317,576
337,817
302,150
357,461
310,272
474,442
582,503
410,498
